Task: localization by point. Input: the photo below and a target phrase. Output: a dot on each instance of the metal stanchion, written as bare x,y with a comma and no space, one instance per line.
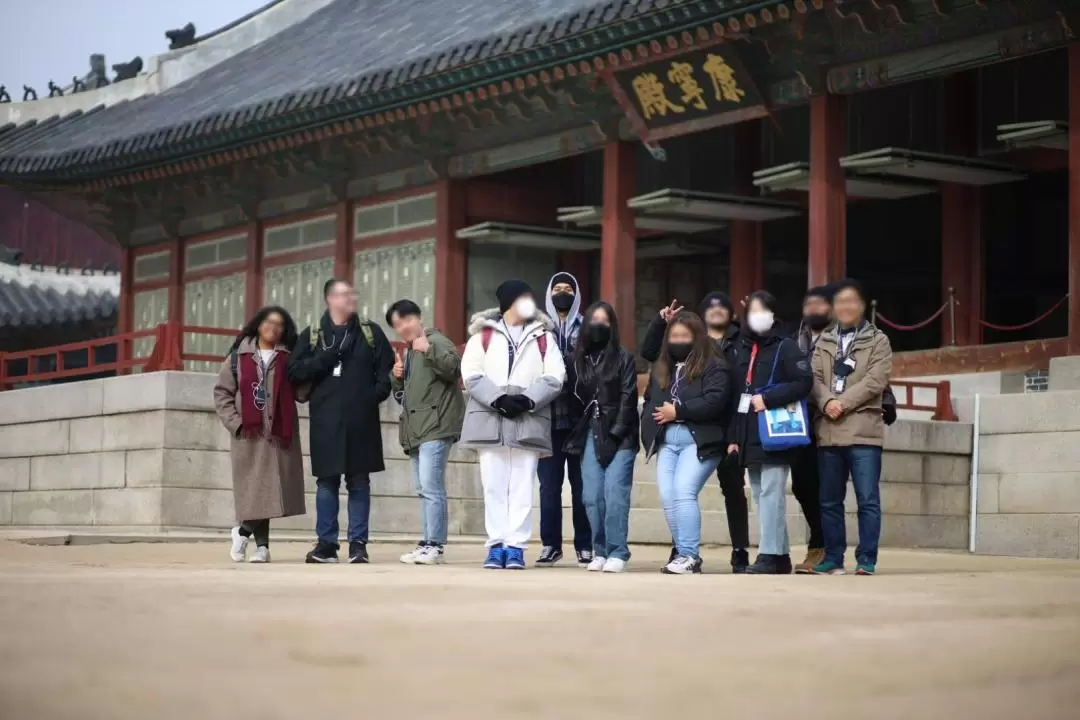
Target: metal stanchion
873,312
952,316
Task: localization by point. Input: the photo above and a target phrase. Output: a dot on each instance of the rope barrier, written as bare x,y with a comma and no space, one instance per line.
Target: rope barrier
1024,326
916,326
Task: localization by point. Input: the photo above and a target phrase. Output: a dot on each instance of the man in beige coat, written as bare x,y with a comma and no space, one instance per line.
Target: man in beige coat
255,403
852,362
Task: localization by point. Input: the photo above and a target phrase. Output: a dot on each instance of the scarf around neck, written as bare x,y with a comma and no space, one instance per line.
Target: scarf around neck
280,395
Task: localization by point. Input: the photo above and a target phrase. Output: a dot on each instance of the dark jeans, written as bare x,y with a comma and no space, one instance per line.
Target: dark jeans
733,485
327,503
259,528
806,487
551,472
863,464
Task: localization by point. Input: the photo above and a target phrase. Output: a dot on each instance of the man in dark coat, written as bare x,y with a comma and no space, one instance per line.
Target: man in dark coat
347,365
718,314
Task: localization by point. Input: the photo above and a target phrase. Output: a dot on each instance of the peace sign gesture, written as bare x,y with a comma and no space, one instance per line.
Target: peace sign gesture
667,313
399,365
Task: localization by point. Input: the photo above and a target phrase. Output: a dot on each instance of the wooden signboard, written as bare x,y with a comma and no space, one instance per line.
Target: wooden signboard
701,89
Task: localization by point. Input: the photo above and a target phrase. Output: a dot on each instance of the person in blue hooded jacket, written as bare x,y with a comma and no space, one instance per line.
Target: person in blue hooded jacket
563,304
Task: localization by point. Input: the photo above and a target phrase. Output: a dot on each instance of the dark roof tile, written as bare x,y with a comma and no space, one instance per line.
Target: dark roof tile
30,298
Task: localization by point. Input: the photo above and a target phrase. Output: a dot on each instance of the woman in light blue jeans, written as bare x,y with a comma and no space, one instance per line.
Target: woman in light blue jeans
683,424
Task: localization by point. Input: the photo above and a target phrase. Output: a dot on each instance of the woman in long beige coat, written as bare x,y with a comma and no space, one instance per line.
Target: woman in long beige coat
256,404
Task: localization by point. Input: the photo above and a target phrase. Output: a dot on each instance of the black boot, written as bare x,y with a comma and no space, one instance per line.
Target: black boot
771,565
740,560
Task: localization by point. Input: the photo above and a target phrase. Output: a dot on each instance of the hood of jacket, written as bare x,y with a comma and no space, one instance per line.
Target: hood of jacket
249,345
865,334
564,329
490,318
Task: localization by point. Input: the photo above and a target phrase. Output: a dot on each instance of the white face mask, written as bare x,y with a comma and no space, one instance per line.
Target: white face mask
525,308
760,322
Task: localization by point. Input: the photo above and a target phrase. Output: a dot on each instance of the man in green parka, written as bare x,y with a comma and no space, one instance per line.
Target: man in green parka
426,382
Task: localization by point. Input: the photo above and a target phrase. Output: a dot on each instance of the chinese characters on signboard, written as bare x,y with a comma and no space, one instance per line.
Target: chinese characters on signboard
708,85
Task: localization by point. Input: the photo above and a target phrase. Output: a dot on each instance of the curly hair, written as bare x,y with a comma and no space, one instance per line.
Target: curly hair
251,329
703,349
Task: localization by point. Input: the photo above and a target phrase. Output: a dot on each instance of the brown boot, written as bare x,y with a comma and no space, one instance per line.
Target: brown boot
814,556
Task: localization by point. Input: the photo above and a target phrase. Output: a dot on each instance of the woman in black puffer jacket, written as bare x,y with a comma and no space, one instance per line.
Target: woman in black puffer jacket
604,378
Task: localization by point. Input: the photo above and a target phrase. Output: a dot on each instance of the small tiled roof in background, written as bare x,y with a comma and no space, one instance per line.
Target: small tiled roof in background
33,296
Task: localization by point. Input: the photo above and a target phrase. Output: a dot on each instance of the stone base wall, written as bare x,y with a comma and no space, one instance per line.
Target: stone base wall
148,451
1029,475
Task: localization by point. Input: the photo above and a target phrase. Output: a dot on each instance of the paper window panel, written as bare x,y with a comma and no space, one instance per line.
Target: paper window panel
151,308
214,302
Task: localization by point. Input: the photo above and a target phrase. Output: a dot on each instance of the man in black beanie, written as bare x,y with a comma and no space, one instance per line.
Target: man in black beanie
718,314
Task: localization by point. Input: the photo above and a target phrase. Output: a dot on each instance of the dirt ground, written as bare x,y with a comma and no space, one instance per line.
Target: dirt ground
175,631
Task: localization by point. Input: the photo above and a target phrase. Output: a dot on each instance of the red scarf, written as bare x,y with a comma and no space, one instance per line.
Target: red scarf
281,395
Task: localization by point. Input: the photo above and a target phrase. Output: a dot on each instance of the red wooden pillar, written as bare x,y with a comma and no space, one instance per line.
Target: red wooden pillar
1074,199
253,279
451,258
618,246
343,256
174,335
827,255
746,257
962,253
125,312
577,263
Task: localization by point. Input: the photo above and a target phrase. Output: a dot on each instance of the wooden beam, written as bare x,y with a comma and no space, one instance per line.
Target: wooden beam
618,244
451,258
1000,357
827,256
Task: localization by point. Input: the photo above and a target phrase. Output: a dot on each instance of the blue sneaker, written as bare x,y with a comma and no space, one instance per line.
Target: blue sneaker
515,559
496,558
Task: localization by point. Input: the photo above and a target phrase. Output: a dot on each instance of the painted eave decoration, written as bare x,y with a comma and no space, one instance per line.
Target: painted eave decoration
270,108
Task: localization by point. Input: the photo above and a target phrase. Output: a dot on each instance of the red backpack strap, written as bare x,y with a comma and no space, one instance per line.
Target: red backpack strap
541,342
485,337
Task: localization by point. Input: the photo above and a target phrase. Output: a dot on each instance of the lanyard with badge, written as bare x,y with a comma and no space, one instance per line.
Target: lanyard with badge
845,364
744,399
337,368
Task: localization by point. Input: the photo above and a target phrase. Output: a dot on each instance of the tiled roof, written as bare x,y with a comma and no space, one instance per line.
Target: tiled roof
37,297
350,58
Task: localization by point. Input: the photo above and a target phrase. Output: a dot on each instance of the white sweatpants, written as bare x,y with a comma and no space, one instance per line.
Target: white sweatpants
507,475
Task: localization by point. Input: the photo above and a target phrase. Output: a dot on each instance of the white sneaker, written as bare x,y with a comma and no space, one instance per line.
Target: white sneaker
681,565
596,564
239,546
614,565
409,558
261,555
429,555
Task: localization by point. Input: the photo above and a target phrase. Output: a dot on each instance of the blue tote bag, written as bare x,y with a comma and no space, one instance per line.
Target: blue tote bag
786,427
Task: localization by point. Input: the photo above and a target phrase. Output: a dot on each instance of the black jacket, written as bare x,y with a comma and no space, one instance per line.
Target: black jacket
346,437
702,408
613,419
793,382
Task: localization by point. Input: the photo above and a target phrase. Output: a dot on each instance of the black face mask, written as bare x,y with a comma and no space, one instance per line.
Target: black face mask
598,336
679,351
817,322
562,301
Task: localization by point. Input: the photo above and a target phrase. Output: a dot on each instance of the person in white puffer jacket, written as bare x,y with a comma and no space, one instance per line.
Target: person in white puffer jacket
513,370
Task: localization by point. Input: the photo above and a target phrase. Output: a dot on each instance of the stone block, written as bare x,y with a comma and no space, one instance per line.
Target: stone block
53,507
134,393
128,507
5,508
15,474
188,430
197,508
144,468
913,468
1039,493
1046,536
189,390
1030,453
919,436
27,440
1040,412
86,434
1065,373
462,480
647,495
924,499
205,469
133,431
52,402
988,494
916,531
74,472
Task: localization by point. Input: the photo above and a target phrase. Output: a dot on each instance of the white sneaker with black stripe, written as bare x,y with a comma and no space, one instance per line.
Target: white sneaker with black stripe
429,555
682,565
409,558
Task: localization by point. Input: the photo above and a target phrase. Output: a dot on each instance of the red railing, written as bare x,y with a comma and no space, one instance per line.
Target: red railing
942,408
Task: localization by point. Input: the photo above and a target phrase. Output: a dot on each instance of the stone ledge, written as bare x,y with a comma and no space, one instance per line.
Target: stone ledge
1046,536
1046,452
1049,493
924,436
52,402
1030,413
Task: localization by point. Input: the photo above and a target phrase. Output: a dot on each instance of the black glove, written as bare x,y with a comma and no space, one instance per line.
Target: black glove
888,414
506,407
522,403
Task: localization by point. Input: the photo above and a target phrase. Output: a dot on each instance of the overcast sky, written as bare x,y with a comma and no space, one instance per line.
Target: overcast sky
42,40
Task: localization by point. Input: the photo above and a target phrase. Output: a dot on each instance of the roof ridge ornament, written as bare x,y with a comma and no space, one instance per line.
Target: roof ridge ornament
5,97
181,37
29,93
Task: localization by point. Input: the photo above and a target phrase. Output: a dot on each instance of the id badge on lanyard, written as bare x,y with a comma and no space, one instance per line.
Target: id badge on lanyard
744,399
844,358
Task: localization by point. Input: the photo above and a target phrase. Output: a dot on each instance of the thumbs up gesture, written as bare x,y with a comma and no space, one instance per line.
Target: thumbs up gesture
399,365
